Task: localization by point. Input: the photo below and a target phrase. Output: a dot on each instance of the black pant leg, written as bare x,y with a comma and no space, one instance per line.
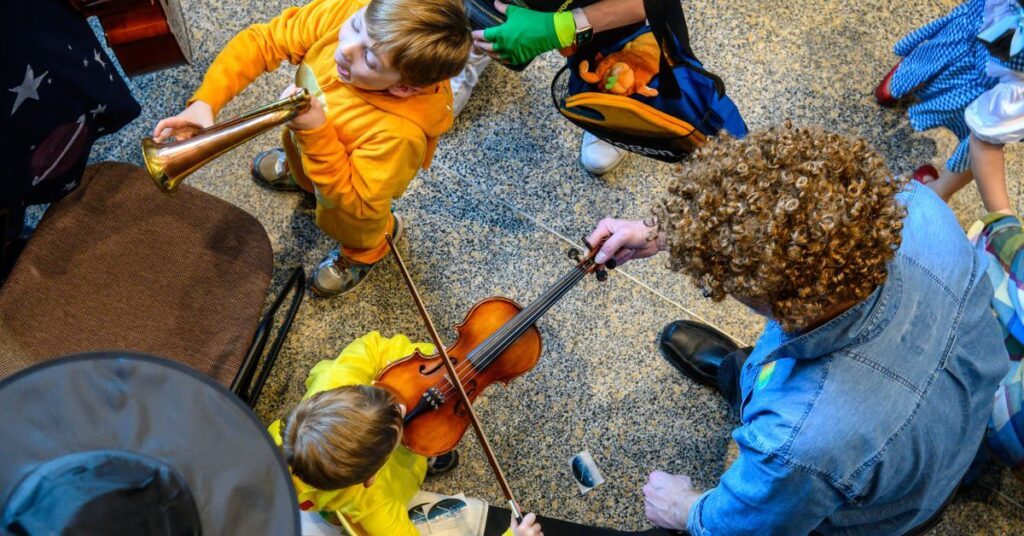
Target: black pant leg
498,522
729,377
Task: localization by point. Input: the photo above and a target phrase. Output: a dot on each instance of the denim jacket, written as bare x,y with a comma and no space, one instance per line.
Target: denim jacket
867,423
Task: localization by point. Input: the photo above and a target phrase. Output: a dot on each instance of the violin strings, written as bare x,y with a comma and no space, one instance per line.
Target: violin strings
512,330
503,335
520,317
520,327
500,337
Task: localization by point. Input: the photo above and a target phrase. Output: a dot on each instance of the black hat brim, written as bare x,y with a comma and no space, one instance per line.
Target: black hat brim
156,408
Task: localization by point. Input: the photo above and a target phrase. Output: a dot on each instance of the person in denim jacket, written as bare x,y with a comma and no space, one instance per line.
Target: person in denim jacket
865,399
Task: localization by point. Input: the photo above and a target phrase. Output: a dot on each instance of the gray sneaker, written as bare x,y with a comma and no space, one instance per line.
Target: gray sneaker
270,170
336,274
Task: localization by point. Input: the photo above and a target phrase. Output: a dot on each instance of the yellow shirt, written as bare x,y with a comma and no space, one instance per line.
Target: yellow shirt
372,144
379,510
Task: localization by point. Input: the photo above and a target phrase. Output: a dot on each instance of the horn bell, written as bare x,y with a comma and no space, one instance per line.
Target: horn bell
169,163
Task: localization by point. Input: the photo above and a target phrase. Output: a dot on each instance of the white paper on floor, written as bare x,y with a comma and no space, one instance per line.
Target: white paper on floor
432,514
442,515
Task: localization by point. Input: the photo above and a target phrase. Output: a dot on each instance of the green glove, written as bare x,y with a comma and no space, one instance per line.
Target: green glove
527,34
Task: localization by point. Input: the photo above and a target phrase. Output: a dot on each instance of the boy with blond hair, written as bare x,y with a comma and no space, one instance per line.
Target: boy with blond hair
383,68
342,443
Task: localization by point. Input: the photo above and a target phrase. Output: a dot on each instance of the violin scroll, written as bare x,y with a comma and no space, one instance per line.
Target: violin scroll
587,263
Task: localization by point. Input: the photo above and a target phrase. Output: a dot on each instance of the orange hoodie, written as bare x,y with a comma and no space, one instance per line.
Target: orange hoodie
372,143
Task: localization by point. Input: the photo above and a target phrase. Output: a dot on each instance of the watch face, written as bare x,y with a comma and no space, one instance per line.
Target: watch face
584,36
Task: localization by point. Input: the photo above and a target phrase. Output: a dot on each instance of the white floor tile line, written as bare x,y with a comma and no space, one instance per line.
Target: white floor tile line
1004,496
573,243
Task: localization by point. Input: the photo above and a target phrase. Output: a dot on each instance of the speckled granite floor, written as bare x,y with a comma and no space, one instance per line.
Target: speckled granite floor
506,197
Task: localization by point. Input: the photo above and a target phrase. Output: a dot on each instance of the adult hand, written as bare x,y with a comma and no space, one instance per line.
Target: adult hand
312,118
529,526
182,126
668,499
525,34
625,240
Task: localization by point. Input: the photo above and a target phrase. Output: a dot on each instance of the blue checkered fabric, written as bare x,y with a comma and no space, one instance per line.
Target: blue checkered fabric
944,68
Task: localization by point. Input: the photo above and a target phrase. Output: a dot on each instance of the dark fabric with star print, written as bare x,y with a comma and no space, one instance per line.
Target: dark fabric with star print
59,93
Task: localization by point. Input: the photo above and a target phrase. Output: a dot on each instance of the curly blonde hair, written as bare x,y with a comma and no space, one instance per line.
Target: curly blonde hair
798,219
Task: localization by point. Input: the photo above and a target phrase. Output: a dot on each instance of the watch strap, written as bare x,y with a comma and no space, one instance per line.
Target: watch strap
584,31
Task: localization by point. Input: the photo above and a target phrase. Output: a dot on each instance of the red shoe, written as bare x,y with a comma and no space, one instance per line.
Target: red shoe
883,95
925,171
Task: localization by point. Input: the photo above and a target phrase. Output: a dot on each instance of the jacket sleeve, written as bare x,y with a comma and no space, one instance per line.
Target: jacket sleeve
362,183
262,47
761,495
390,518
361,361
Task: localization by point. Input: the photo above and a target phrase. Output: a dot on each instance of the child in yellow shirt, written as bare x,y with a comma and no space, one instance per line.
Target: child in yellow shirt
342,442
383,67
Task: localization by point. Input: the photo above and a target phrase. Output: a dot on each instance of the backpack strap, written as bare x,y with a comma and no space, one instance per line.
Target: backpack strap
668,24
656,18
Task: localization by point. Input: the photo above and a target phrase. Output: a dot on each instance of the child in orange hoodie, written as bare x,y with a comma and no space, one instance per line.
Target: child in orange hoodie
383,68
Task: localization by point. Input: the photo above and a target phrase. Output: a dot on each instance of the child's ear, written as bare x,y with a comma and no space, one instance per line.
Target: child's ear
369,481
403,90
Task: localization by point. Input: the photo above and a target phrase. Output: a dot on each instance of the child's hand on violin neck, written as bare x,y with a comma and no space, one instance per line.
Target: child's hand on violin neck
624,240
312,118
182,126
529,526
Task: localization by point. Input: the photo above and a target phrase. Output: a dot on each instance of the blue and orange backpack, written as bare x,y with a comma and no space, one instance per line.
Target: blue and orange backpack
690,104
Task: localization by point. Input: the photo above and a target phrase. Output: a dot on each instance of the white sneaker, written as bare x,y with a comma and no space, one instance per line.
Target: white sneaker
464,82
598,156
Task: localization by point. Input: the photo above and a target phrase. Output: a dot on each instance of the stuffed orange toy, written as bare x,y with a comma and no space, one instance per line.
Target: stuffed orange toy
627,71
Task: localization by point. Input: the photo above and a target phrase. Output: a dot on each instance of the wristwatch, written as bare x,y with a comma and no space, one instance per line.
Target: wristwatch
584,31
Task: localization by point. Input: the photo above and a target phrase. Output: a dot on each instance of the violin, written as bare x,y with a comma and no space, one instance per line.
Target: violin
497,342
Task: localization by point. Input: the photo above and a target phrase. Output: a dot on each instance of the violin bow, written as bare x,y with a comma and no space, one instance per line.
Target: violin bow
454,378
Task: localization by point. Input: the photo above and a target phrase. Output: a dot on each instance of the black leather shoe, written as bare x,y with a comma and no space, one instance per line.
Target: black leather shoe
696,350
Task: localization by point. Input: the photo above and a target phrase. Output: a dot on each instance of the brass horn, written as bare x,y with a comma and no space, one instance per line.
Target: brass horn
170,163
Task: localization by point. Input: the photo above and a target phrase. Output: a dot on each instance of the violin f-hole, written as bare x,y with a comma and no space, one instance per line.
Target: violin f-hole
460,408
426,369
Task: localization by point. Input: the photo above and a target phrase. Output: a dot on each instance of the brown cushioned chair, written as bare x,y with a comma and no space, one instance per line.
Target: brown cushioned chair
118,265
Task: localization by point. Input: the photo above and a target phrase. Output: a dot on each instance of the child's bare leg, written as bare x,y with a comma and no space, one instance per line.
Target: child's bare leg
948,182
989,169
